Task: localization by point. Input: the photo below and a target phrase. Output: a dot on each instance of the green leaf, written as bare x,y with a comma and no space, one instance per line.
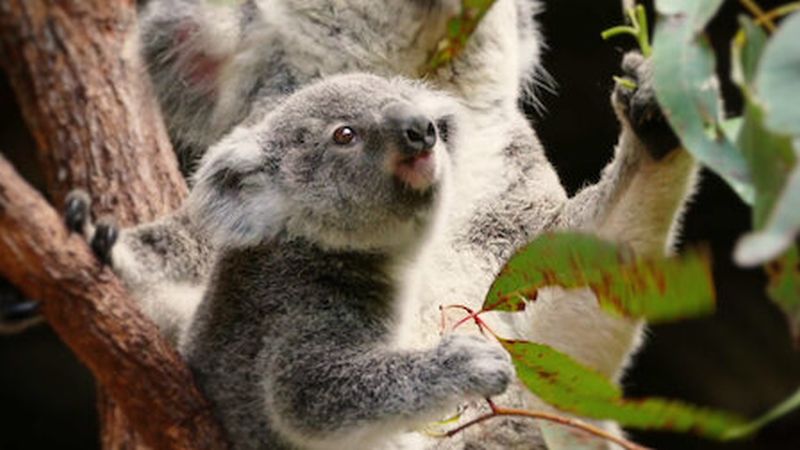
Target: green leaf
697,12
773,161
687,89
564,383
655,289
778,79
776,177
746,52
771,158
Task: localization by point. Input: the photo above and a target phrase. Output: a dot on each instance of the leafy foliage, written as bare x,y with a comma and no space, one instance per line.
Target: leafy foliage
656,289
562,382
688,91
757,154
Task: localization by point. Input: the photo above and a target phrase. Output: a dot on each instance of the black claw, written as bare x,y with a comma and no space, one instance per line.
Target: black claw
105,236
643,111
21,311
76,210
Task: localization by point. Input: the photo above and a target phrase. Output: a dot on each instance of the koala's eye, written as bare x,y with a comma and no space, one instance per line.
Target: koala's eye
344,135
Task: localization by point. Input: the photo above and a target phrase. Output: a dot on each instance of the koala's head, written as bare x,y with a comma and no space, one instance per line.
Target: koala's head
351,162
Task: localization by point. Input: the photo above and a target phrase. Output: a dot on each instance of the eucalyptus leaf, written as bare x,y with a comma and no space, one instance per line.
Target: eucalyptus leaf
655,289
688,90
778,79
564,383
748,45
776,176
697,12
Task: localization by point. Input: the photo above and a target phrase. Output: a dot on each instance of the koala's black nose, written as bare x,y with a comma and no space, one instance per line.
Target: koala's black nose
416,132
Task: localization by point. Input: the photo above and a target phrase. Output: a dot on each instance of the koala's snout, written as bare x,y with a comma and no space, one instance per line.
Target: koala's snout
416,133
412,160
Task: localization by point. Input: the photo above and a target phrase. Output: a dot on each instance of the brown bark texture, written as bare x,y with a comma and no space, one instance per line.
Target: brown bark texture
86,304
83,96
81,91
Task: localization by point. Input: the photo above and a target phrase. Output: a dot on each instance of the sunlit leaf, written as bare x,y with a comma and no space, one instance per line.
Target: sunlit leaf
655,289
564,383
687,89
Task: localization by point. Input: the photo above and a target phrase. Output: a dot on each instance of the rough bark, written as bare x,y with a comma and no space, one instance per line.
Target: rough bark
81,92
86,304
83,96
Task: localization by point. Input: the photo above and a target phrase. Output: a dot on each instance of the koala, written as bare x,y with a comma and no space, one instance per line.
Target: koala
216,64
218,68
316,210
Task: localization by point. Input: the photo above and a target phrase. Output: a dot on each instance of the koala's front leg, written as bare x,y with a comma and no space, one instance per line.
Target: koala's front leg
638,202
327,400
641,193
164,264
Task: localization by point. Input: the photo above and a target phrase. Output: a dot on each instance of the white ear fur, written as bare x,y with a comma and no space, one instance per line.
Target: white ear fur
233,200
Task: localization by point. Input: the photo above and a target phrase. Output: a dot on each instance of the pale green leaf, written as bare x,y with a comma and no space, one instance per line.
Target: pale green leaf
687,89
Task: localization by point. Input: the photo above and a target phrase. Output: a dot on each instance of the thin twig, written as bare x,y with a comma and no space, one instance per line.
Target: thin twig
550,417
778,12
759,14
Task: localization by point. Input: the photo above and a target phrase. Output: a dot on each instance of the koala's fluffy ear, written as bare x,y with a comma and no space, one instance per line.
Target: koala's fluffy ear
235,200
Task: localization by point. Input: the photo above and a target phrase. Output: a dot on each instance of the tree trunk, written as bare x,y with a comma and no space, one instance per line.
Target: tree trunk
81,91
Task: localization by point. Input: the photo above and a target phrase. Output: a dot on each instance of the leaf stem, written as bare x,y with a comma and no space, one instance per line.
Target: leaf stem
638,28
778,12
550,417
761,17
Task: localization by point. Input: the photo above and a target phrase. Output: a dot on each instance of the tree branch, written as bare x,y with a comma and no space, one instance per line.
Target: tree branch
80,87
90,309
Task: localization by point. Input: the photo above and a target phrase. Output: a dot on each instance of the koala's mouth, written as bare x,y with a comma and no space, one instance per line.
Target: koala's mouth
417,171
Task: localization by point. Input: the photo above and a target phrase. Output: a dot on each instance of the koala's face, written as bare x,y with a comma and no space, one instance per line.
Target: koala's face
354,161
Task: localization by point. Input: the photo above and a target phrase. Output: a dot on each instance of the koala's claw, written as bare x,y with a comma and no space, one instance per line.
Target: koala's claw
485,366
641,109
20,311
101,236
104,238
76,210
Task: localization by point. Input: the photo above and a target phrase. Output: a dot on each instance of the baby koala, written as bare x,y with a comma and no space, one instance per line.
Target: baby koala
317,209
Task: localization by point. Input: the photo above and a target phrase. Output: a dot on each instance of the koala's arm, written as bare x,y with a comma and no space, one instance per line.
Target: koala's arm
329,398
641,193
637,202
164,264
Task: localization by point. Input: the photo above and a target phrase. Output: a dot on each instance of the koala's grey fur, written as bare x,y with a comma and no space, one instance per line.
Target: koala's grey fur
213,66
505,190
291,342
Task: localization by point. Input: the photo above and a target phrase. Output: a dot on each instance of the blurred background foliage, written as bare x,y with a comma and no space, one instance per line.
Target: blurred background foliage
741,359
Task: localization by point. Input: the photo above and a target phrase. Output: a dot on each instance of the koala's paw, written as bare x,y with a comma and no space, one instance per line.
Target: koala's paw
105,236
640,108
19,316
76,210
101,236
483,367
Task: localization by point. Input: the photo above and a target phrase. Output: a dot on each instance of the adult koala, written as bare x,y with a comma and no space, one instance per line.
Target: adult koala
215,67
